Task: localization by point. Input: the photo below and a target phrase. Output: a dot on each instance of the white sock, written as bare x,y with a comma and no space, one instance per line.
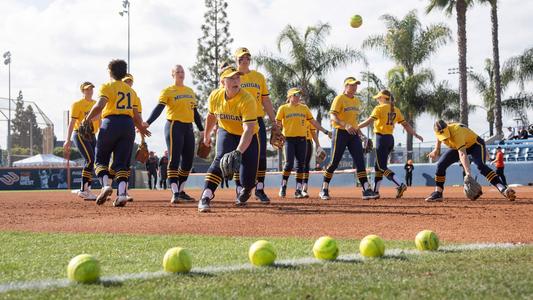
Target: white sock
84,185
325,185
304,187
174,187
181,186
500,187
122,188
299,186
260,186
283,182
239,189
207,193
366,186
105,180
376,187
438,189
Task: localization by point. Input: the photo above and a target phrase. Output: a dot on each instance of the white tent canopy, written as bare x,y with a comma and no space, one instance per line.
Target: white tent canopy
44,160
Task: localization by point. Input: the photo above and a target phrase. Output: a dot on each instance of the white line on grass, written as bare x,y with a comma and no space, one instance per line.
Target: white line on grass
61,283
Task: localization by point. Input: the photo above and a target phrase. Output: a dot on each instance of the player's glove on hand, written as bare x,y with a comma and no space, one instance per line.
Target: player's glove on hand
277,140
320,155
142,152
85,131
203,150
472,188
230,163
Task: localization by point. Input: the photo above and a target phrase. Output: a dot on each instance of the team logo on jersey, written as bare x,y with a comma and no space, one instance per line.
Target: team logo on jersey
186,96
229,117
351,108
295,115
250,85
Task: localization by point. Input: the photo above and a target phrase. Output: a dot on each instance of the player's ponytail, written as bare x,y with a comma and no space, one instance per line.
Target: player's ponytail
391,99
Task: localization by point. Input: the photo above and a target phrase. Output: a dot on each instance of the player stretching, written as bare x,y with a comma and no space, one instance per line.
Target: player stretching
118,105
78,111
462,143
254,83
344,113
235,112
293,118
180,102
384,116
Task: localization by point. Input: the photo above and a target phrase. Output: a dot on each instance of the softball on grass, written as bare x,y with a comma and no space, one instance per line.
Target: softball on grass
83,268
177,260
427,240
372,246
326,248
262,253
356,21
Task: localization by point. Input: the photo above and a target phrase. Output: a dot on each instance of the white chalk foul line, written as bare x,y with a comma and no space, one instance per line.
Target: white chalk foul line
393,253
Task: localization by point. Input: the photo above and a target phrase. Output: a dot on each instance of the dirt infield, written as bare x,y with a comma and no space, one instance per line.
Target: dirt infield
490,219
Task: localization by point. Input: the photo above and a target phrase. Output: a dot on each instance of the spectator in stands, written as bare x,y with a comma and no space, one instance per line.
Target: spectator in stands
152,164
409,167
523,134
499,164
512,133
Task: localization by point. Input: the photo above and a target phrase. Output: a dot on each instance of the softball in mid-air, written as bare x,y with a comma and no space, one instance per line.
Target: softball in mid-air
356,21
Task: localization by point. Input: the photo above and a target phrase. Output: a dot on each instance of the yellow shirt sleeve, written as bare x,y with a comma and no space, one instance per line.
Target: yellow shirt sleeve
308,114
399,116
281,113
459,140
74,111
375,113
336,106
106,91
211,102
264,88
249,110
163,98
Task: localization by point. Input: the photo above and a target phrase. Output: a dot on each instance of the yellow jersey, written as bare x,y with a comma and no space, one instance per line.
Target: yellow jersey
79,110
254,83
293,119
460,136
311,131
121,99
180,102
232,113
346,109
384,118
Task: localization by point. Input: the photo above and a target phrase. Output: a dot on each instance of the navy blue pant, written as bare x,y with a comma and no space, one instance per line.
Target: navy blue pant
227,142
295,147
86,148
384,146
308,154
116,137
180,143
340,141
261,169
477,154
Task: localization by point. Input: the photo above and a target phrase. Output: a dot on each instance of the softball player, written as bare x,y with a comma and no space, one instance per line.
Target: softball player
310,137
180,102
118,104
293,118
254,83
462,143
344,113
234,110
78,111
384,116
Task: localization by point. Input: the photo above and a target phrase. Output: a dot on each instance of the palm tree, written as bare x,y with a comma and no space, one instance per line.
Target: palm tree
522,67
309,60
496,67
486,86
443,102
460,7
409,44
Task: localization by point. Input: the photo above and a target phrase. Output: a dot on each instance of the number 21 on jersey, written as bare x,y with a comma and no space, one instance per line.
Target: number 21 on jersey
122,97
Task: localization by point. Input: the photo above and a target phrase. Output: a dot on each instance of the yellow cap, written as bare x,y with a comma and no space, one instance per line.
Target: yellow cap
351,80
228,72
441,130
86,85
128,77
383,93
293,91
242,51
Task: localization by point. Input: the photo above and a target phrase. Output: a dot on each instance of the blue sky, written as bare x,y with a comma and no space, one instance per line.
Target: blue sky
56,45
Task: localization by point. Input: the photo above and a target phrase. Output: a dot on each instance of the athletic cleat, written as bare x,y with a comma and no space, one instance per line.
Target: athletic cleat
509,193
400,190
283,191
261,196
324,194
370,194
86,195
182,196
130,198
435,197
243,197
104,193
175,198
203,205
377,195
298,194
305,194
120,201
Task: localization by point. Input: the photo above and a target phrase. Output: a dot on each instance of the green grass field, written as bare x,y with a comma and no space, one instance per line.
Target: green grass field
478,274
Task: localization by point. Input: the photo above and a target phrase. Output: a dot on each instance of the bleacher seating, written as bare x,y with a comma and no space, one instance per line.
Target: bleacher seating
513,150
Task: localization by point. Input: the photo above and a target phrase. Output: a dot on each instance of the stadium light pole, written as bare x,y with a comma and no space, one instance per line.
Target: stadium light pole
126,10
7,61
